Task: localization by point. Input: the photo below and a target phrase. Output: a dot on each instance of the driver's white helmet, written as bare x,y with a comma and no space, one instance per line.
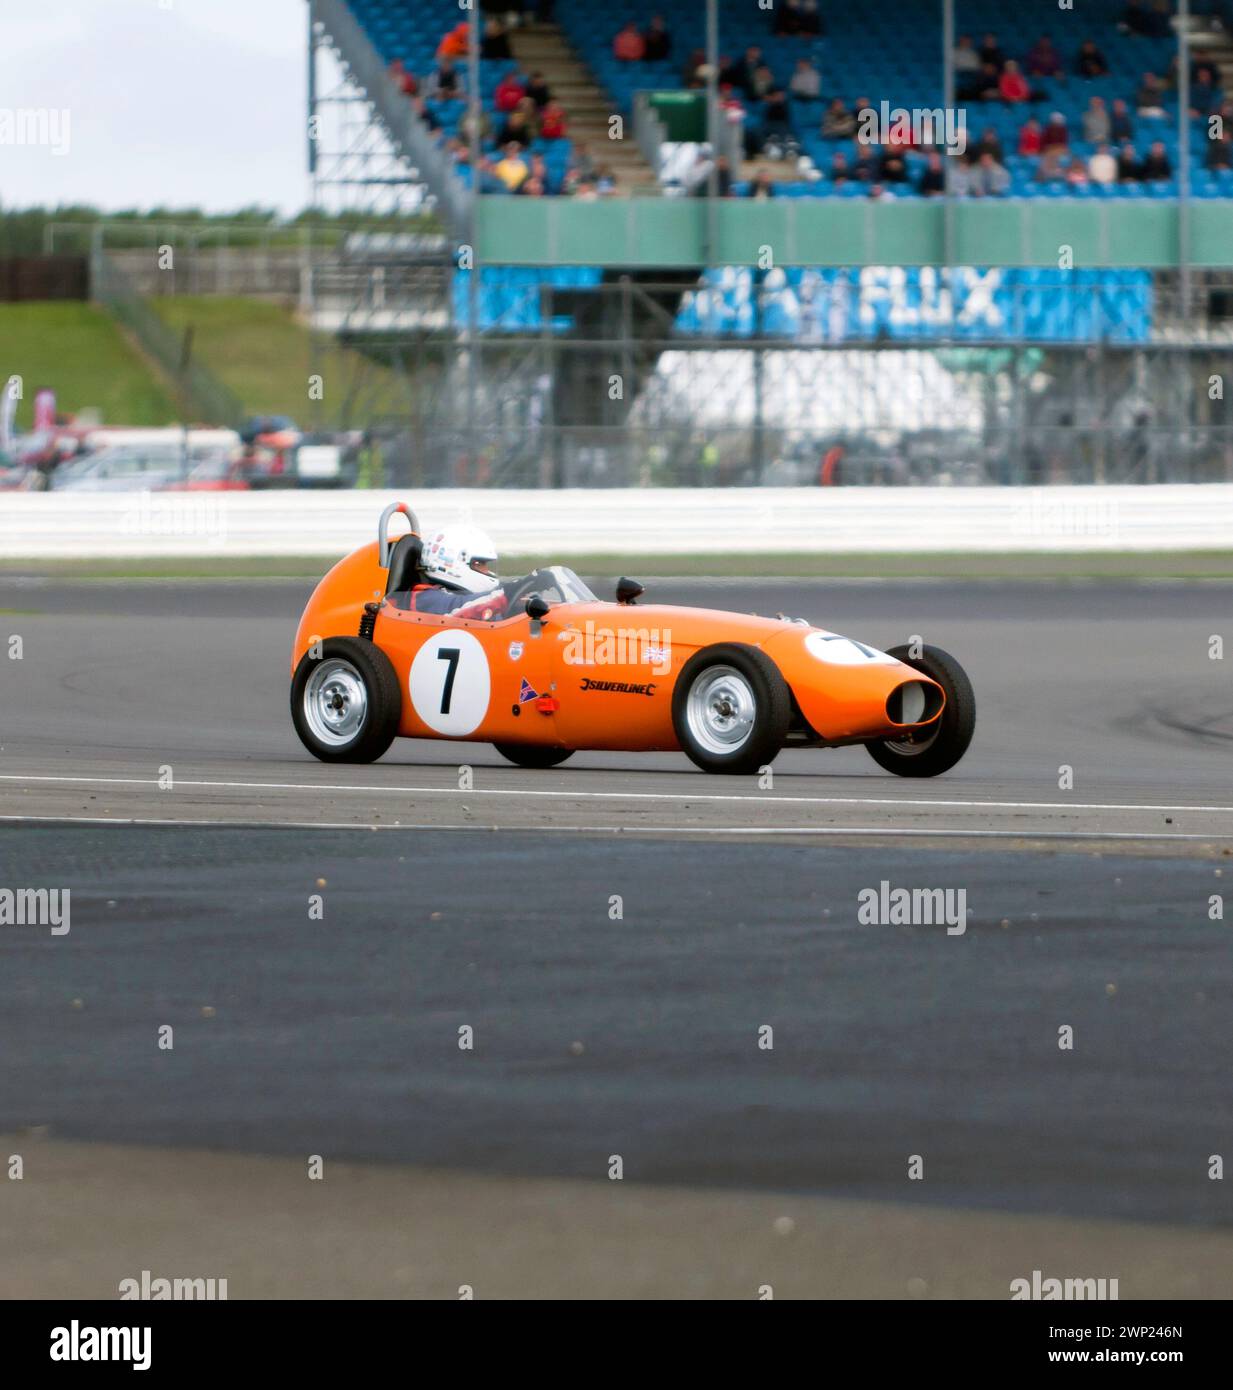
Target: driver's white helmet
463,557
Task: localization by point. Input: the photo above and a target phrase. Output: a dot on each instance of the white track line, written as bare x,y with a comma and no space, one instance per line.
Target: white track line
881,831
332,789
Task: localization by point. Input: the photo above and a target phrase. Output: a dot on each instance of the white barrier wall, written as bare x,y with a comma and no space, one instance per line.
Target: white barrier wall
663,521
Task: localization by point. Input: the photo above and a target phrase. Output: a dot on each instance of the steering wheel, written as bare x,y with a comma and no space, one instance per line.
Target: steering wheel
523,588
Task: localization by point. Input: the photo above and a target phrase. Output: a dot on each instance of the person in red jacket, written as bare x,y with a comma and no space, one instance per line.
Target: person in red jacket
552,125
510,91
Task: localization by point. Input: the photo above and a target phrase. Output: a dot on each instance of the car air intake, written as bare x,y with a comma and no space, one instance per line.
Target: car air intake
913,702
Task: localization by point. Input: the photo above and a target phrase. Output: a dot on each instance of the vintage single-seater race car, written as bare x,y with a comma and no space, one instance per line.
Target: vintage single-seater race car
558,670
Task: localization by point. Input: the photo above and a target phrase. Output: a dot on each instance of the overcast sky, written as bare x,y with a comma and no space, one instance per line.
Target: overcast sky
171,102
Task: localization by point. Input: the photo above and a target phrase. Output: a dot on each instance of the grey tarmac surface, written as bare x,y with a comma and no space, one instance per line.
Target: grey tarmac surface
638,1036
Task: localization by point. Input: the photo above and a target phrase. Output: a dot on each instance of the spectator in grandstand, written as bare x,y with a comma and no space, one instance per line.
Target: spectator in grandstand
512,168
539,172
960,173
1149,99
1121,126
762,84
518,128
407,82
1091,61
891,167
984,86
991,52
1203,62
553,125
838,123
933,181
1135,19
657,41
1076,173
1128,166
532,188
1056,134
1159,20
1043,60
865,161
1030,137
692,75
1097,127
1051,167
1205,97
989,143
494,47
485,126
1102,167
1013,87
446,82
744,74
839,172
581,169
629,46
881,194
805,84
761,185
966,58
510,91
1156,167
812,26
538,90
989,179
455,42
1220,152
424,112
776,124
787,20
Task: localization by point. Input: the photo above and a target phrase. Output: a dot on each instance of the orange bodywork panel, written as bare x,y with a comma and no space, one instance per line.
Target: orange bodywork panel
590,675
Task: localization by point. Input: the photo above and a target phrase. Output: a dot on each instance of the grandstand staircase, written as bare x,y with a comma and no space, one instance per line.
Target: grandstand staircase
544,48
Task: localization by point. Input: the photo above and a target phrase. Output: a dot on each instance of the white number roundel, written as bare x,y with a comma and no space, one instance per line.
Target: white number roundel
450,682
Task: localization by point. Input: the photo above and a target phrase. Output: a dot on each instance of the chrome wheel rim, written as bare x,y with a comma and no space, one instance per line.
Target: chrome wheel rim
721,709
335,702
913,747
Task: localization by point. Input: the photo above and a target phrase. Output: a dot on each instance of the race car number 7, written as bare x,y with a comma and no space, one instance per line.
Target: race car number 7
450,683
450,654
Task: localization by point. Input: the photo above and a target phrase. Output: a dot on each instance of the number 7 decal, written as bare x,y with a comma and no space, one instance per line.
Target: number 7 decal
450,654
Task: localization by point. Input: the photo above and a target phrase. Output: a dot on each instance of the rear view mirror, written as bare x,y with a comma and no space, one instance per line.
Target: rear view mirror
628,590
537,607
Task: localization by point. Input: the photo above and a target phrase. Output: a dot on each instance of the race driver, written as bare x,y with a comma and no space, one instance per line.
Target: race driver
460,564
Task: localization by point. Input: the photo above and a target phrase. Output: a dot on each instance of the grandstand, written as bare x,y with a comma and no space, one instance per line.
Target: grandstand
1060,296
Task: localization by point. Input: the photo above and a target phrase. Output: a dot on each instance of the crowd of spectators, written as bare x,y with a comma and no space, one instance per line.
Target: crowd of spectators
519,128
524,121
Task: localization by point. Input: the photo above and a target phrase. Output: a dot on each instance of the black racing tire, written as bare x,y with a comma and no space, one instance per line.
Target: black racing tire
533,754
764,708
365,683
949,739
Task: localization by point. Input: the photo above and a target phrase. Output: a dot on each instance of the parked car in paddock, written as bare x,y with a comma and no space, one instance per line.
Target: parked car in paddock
558,670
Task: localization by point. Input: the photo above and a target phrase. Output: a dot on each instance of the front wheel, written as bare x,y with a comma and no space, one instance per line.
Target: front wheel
533,754
731,708
346,702
939,747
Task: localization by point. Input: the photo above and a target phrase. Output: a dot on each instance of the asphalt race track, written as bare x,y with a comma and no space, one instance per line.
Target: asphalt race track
631,1032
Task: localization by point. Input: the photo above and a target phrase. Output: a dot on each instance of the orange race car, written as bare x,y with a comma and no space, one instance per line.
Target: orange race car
552,669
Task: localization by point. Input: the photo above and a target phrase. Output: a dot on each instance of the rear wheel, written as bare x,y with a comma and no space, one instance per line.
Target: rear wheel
731,708
939,747
346,701
533,754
